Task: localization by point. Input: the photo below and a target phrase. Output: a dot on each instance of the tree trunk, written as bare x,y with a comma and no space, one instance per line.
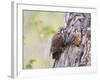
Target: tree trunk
74,56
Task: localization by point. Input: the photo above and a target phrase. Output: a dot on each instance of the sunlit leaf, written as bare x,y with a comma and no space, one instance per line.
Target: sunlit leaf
32,61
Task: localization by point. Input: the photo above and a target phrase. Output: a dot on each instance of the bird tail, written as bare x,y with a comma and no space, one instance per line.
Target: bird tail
54,64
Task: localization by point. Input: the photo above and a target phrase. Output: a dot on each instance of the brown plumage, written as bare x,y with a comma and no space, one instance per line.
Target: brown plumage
57,45
76,39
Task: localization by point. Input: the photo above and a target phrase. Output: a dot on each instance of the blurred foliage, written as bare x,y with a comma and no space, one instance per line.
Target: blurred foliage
30,63
28,66
38,27
44,23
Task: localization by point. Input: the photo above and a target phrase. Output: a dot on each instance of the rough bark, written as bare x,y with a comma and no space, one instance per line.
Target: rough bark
73,55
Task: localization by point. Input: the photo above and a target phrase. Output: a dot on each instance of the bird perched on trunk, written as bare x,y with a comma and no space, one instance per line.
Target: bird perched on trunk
76,39
62,39
59,42
57,45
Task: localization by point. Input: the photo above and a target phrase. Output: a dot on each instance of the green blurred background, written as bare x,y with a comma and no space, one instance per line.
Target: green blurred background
38,29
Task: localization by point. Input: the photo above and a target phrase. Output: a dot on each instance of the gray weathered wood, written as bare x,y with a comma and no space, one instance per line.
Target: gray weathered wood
74,56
